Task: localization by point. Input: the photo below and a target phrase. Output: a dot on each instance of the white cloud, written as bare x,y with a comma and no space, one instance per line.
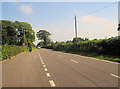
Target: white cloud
88,26
26,8
95,27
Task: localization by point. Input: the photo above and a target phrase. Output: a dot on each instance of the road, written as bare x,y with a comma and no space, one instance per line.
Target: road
47,68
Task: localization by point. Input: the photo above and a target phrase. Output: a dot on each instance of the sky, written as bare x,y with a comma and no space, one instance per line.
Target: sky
58,18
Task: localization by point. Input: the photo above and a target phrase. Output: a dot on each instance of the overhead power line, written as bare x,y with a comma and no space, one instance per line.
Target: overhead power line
101,8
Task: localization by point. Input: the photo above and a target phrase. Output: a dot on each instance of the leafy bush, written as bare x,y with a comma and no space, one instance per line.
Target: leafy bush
11,50
109,46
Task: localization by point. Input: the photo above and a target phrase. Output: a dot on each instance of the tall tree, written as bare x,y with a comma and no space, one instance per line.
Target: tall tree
13,32
43,35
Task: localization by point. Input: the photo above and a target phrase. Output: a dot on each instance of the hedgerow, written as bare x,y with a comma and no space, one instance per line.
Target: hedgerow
11,50
109,46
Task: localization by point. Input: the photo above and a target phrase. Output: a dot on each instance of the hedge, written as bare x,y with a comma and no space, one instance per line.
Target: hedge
109,46
11,50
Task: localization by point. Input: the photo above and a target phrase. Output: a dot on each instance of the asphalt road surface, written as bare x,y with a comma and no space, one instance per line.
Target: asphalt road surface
47,68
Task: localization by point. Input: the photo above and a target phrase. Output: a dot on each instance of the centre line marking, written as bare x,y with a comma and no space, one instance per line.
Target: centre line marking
45,69
52,83
43,65
115,75
48,75
74,61
39,55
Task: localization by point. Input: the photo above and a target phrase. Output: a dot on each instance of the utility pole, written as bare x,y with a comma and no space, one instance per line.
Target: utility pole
75,26
23,36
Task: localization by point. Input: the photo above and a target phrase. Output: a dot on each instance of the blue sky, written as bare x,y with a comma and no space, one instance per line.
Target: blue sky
58,18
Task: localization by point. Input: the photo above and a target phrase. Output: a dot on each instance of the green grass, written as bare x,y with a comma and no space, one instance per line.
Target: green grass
33,48
27,49
12,50
95,55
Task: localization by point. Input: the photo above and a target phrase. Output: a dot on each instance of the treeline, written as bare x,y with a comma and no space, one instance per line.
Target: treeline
109,46
13,33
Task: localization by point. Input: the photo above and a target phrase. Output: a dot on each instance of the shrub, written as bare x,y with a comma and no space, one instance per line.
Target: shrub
109,46
11,50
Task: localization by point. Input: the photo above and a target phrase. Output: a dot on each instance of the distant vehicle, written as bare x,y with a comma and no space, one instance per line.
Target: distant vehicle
38,47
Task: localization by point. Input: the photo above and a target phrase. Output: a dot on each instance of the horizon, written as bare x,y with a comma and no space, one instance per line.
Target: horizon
58,18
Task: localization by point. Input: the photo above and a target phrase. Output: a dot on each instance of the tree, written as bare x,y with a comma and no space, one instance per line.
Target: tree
43,35
41,43
9,33
13,32
69,41
79,39
29,33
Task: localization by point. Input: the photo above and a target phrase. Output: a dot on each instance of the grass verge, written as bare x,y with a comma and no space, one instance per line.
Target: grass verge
95,55
9,51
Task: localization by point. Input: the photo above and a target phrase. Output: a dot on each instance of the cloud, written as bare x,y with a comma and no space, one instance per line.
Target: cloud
96,27
88,26
26,8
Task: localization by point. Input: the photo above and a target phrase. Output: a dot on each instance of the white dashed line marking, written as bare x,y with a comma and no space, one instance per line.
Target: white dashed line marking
45,69
52,83
74,61
43,65
48,75
115,75
95,58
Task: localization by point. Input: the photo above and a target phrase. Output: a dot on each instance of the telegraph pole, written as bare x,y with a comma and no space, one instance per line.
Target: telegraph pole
75,26
23,36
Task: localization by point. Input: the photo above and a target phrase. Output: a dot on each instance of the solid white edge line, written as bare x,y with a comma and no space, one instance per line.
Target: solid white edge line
115,75
74,61
52,83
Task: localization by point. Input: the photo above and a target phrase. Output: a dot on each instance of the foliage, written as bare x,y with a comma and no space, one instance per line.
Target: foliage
109,46
41,43
13,32
79,39
44,35
11,50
